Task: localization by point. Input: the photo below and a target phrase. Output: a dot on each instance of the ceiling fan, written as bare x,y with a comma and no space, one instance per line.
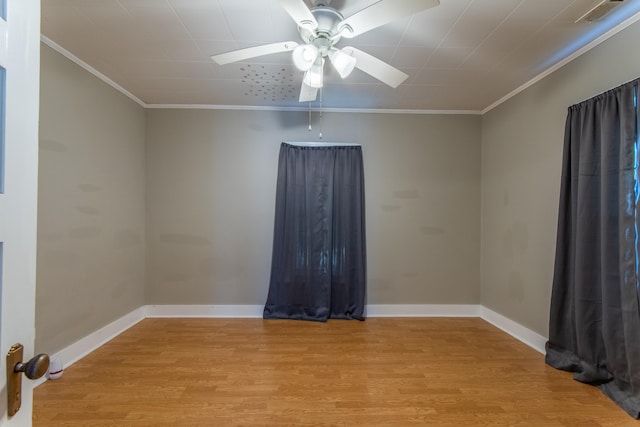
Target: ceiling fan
321,28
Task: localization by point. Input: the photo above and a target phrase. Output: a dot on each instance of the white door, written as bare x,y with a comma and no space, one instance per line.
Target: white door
20,60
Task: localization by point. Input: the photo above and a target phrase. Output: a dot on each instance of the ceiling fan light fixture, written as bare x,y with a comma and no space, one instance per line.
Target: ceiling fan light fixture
321,27
342,61
314,76
304,56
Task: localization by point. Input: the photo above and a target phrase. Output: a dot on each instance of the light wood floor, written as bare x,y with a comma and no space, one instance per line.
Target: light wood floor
381,372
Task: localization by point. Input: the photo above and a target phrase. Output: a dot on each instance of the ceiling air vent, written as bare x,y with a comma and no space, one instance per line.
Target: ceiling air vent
599,10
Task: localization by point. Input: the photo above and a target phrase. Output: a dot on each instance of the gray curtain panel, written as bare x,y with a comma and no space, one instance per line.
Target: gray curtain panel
318,268
594,328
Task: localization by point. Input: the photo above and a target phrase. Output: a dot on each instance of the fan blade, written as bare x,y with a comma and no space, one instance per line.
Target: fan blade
382,13
377,68
308,93
300,13
252,52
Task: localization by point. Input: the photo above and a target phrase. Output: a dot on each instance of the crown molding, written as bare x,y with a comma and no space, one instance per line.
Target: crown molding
586,48
615,30
55,46
306,109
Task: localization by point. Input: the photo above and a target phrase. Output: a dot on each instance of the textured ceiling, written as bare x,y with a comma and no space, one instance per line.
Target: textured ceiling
461,55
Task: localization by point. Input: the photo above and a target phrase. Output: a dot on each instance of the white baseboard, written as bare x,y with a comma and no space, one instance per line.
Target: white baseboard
422,310
76,351
91,342
516,330
372,310
219,311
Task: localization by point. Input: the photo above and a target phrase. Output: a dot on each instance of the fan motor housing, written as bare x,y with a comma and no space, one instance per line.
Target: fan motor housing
327,34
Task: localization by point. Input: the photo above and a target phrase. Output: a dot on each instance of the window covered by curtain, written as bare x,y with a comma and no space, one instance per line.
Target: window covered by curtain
318,269
594,328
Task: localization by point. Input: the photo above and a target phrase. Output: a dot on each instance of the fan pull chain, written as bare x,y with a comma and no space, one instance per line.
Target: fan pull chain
309,116
320,135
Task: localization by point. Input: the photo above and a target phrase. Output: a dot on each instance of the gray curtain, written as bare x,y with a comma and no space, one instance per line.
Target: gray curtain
594,328
318,268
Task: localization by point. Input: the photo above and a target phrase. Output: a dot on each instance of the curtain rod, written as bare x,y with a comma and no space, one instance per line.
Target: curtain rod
322,144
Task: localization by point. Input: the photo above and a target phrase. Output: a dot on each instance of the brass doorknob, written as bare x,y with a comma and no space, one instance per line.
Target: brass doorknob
34,368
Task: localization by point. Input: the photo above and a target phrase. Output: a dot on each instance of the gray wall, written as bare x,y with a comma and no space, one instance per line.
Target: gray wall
91,235
521,164
210,186
194,213
211,191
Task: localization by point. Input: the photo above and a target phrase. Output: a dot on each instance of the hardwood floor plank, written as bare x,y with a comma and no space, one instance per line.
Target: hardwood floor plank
381,372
